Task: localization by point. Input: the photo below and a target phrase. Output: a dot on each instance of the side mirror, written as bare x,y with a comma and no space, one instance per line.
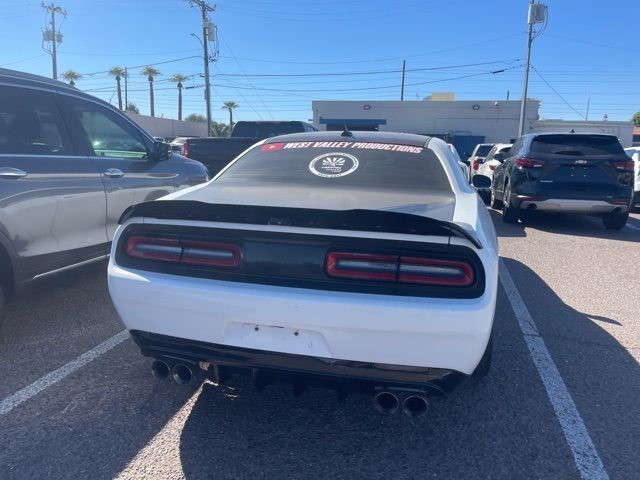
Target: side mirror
160,151
481,181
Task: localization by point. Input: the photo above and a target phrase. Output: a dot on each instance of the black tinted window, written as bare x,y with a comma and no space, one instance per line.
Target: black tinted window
341,164
483,150
30,123
577,145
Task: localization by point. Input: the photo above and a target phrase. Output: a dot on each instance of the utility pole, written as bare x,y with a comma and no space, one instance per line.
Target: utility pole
537,14
206,34
51,35
404,64
126,90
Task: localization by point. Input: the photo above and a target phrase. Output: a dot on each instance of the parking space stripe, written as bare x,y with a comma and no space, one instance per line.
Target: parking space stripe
51,378
575,431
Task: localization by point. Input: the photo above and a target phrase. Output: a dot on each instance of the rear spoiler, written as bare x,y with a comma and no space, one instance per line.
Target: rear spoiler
357,220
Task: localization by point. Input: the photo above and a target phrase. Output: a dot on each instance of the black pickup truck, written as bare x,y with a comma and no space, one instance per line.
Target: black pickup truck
217,152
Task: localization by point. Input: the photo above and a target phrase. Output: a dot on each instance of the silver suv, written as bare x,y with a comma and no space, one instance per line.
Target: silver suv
70,165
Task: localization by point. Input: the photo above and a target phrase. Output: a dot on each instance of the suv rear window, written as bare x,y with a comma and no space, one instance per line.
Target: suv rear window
483,150
368,165
572,144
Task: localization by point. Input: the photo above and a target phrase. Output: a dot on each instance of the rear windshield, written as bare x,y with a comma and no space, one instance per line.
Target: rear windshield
261,131
577,145
483,150
341,164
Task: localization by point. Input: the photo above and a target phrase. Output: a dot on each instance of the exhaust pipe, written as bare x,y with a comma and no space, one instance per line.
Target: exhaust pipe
181,374
160,369
386,402
415,406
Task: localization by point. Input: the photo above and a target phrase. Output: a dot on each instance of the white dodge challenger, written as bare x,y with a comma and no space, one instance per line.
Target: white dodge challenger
360,260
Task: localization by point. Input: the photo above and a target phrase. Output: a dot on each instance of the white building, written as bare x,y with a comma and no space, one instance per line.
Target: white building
169,128
463,123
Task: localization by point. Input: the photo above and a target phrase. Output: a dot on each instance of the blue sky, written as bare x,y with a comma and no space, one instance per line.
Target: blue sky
589,49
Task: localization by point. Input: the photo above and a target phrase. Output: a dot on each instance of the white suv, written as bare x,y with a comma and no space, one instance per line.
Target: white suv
634,153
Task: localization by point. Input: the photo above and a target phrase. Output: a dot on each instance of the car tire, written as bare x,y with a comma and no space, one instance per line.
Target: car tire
482,369
484,195
615,221
494,202
510,214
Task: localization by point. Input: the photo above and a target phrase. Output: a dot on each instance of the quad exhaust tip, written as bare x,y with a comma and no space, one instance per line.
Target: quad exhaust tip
386,402
181,374
415,406
160,369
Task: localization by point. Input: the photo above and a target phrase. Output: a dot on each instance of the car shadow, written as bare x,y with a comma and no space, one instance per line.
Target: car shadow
503,427
565,224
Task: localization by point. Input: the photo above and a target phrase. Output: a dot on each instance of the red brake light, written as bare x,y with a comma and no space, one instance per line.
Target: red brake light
185,149
475,165
362,265
492,167
524,162
191,252
208,253
432,271
400,269
624,165
151,248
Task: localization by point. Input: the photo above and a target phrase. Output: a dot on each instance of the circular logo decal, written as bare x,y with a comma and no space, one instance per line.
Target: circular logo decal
334,164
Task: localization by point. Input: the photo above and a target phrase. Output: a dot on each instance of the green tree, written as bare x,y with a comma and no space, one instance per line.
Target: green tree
230,105
118,73
150,72
178,78
219,129
71,76
131,107
195,117
636,119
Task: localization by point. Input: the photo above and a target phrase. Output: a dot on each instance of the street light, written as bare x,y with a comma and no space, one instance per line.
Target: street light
537,14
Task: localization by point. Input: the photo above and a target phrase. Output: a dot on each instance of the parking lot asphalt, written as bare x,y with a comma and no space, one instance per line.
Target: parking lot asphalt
109,418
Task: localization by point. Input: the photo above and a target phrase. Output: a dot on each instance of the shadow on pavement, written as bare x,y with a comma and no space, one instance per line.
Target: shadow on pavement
602,376
564,224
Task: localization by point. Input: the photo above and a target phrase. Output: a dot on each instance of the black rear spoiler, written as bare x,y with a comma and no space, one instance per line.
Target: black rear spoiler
357,220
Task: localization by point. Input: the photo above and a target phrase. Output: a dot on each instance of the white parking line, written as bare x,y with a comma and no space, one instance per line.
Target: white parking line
575,432
51,378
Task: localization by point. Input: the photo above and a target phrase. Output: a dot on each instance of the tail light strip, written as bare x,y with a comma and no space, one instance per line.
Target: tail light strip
192,252
402,269
524,162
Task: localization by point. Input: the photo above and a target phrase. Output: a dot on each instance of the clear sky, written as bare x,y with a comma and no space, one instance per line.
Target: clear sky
278,55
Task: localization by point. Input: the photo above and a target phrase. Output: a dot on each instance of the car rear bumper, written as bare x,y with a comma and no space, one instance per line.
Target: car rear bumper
219,362
570,205
441,333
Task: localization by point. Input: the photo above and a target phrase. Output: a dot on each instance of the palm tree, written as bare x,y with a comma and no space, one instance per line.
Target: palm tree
71,76
231,106
150,72
118,73
178,78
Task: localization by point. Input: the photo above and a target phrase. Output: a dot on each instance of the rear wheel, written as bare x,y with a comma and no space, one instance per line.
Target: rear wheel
615,221
494,202
510,214
484,195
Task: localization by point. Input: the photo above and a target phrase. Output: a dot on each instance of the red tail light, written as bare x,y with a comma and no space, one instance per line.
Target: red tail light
624,165
492,167
524,162
475,165
185,149
362,265
150,248
190,252
400,269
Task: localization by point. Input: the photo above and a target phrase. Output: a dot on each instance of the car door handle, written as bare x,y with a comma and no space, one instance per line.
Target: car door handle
12,173
114,173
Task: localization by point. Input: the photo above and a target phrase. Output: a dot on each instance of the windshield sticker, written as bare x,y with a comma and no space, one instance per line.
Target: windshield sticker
333,165
390,147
